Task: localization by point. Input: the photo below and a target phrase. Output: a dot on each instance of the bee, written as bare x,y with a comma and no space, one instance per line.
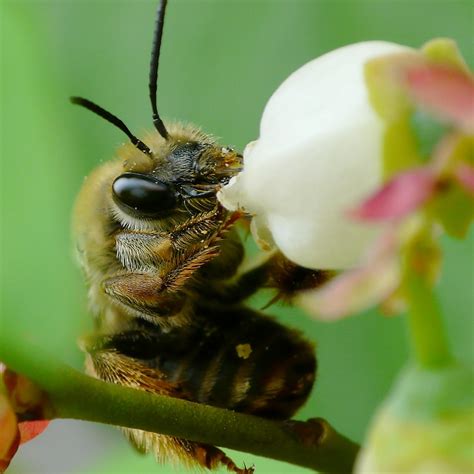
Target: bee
162,261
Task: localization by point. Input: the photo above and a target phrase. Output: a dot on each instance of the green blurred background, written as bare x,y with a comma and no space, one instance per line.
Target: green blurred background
220,62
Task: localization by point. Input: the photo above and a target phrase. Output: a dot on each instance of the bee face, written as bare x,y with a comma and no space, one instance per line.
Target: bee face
172,178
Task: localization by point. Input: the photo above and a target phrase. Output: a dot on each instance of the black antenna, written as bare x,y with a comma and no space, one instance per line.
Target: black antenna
155,59
112,119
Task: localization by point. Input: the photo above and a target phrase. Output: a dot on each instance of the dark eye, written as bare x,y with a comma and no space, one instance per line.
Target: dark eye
143,195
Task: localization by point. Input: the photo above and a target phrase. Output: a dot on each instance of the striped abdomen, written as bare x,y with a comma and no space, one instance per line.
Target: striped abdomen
236,359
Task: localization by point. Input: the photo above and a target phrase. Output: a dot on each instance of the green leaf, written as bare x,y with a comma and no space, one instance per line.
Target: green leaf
444,51
455,211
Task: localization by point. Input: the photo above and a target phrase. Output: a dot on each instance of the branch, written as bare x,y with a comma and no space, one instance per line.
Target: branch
313,444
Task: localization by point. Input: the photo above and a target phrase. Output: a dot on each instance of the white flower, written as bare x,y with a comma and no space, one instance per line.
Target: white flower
318,156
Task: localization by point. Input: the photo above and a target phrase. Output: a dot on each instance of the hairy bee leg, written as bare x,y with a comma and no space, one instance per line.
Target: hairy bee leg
191,454
157,294
144,250
289,279
201,229
212,457
276,273
244,286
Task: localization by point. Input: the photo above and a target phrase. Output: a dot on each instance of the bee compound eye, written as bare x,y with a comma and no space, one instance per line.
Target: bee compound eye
142,194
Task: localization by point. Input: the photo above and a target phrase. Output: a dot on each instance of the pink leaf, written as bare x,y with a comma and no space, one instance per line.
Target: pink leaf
26,398
31,429
465,175
446,92
360,288
352,291
9,434
400,196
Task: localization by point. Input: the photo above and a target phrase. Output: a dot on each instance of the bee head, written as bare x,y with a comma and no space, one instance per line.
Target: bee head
183,175
167,172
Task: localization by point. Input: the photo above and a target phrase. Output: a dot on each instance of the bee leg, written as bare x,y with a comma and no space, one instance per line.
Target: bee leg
199,230
142,250
244,285
168,448
145,251
153,294
212,457
276,273
289,279
143,293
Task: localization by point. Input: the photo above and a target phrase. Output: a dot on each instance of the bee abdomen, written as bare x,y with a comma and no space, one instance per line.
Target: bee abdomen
259,367
238,359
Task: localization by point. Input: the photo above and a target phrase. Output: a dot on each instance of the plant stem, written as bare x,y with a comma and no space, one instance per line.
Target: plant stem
425,324
425,321
313,444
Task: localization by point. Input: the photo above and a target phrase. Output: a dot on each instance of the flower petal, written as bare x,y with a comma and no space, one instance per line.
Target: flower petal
446,92
319,134
400,196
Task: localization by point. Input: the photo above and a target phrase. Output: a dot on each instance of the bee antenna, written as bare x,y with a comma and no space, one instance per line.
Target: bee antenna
112,119
155,58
